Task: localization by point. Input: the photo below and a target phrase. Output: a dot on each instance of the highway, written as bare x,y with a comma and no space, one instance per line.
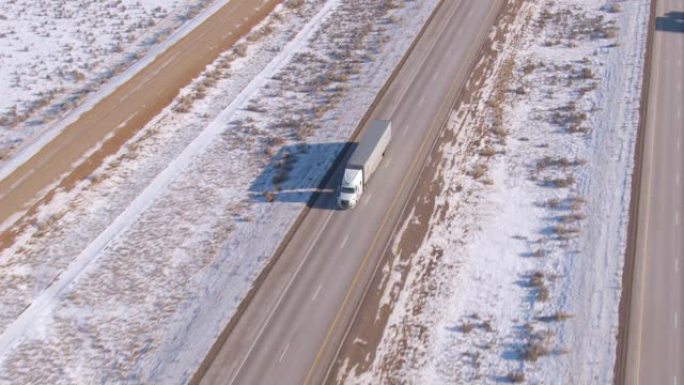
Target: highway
655,347
292,327
117,117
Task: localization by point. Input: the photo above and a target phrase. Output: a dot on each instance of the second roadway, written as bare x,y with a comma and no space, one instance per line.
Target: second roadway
291,329
656,331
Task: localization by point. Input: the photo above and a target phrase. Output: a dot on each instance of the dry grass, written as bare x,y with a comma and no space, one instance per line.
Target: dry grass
516,377
500,131
280,177
572,217
467,327
564,231
293,4
536,279
542,293
529,68
268,196
576,203
561,316
557,316
533,350
240,50
614,8
478,171
561,182
562,162
488,151
553,203
260,33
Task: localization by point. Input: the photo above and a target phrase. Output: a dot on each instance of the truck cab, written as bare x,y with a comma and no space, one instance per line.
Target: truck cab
351,188
363,162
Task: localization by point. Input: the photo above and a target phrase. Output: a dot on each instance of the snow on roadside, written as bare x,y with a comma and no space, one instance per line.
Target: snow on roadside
519,276
148,305
58,53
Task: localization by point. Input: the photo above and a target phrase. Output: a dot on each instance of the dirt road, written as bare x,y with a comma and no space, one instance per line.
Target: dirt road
103,129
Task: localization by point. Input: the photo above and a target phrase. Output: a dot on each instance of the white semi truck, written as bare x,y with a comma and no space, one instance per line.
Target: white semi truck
363,162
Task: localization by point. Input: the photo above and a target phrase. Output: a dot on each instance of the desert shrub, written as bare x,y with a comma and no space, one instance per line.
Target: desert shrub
572,217
576,203
241,50
499,131
529,68
533,350
488,151
561,316
564,231
478,171
183,105
555,317
280,177
543,293
614,8
536,279
487,326
268,196
553,203
292,4
516,377
587,73
467,327
562,182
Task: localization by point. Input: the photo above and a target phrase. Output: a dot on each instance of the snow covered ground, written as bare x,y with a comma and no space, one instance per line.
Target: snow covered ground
55,54
518,278
129,277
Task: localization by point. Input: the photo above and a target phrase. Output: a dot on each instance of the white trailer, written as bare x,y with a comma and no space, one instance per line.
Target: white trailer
363,162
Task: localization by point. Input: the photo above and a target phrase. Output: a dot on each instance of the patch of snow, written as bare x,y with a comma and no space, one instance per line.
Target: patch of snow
529,281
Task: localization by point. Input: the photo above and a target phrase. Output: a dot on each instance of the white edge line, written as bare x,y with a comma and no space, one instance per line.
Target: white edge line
282,355
675,319
344,241
315,294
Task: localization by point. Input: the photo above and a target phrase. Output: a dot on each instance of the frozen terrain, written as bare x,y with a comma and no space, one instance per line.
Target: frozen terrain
55,54
131,276
518,278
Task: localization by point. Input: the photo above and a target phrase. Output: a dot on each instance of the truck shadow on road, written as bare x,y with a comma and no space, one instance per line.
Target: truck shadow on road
303,173
671,22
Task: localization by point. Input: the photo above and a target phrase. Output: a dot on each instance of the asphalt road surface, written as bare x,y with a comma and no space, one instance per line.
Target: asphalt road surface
293,326
127,109
656,334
